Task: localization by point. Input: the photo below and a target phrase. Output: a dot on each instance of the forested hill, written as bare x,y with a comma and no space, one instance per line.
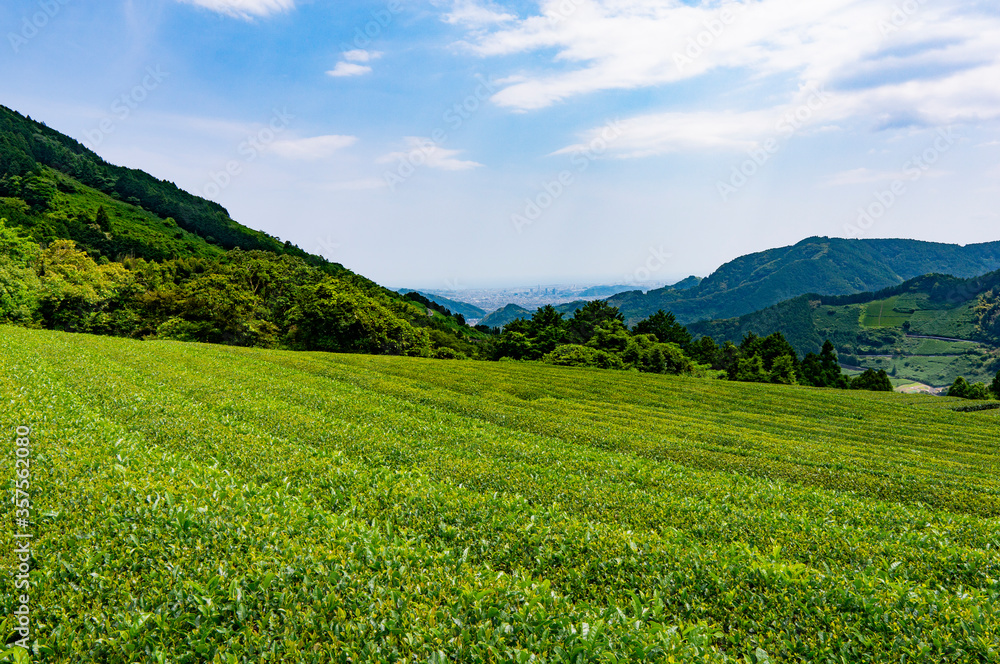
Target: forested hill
33,158
929,329
86,246
828,266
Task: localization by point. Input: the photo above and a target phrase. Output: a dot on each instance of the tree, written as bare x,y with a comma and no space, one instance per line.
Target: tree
979,391
664,326
829,364
875,381
546,329
705,351
995,386
589,317
19,283
751,370
102,219
514,345
611,336
812,371
573,355
783,371
960,388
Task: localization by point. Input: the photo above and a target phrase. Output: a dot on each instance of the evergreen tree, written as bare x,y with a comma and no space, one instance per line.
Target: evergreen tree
830,365
705,351
876,381
664,326
751,370
589,317
812,371
995,387
102,219
783,370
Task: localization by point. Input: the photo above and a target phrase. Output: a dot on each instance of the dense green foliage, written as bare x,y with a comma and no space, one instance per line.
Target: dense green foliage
91,247
468,311
212,503
962,389
596,336
884,330
243,298
830,266
32,158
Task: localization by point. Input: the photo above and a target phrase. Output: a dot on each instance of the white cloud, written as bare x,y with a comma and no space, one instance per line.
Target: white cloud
361,55
424,152
349,69
245,9
317,147
475,14
936,65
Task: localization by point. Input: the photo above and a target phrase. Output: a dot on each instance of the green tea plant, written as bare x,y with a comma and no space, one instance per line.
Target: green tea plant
202,503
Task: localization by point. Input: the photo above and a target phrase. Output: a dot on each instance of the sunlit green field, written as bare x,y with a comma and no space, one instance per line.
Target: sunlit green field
214,504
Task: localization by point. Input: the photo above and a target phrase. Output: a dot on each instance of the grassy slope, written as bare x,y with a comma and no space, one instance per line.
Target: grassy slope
312,507
134,231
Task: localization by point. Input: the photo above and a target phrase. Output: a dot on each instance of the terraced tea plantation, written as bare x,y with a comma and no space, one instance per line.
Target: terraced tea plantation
213,504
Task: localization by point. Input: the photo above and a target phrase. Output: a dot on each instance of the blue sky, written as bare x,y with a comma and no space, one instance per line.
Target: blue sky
444,144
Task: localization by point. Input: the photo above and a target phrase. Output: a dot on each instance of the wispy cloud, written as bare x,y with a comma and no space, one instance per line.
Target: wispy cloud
316,147
245,9
477,14
349,69
349,65
883,67
361,55
423,151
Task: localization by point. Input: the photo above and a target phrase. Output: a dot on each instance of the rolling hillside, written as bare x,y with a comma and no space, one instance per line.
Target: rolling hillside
92,247
892,329
828,266
470,311
211,503
501,317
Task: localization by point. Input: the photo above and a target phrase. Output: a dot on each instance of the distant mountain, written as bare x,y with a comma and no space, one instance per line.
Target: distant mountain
931,328
501,317
470,311
602,291
828,266
687,283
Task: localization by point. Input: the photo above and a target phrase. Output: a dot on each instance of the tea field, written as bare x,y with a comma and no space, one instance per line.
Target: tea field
195,503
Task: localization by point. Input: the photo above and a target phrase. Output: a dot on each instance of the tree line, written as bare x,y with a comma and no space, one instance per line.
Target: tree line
596,336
